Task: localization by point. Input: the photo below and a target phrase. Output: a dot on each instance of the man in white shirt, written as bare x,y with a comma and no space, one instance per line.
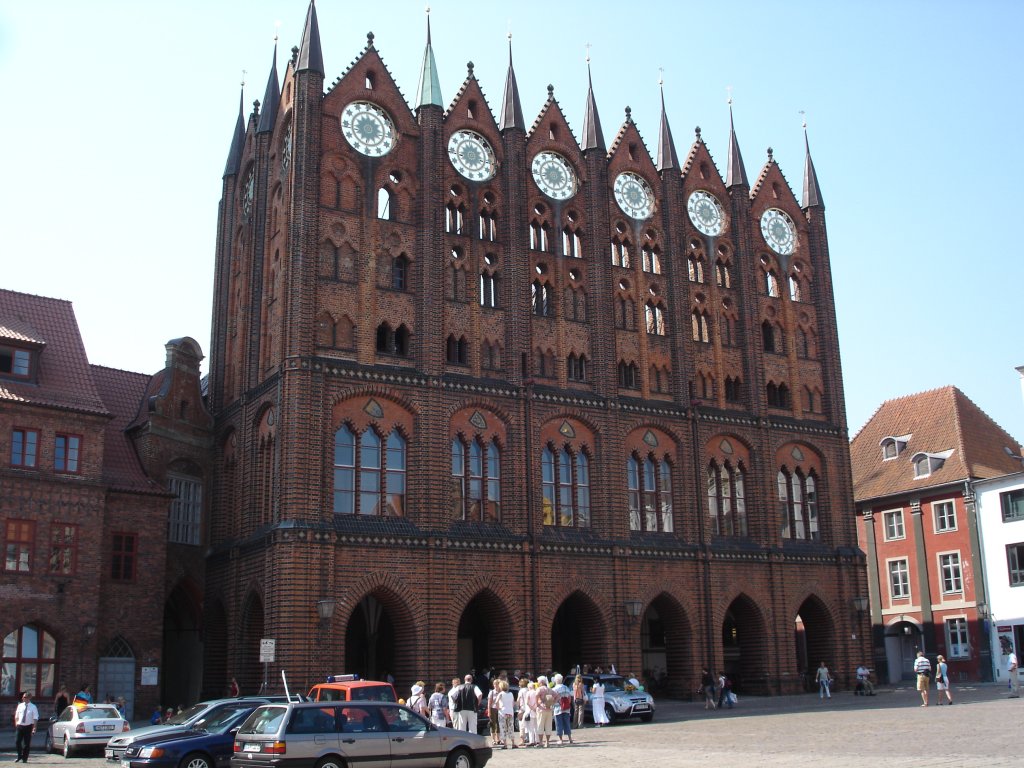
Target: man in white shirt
1011,667
923,668
25,718
864,679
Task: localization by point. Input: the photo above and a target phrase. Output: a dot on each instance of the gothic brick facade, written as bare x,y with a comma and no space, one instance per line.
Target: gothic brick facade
441,406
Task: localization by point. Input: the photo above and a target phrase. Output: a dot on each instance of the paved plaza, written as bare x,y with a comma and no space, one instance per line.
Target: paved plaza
890,729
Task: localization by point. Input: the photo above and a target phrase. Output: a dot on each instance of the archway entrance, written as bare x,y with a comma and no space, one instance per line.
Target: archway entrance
578,634
665,648
814,634
182,649
902,642
484,639
369,641
116,675
745,647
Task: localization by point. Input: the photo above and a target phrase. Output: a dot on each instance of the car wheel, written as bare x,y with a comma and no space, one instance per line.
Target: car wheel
460,758
610,714
647,718
67,748
195,760
331,762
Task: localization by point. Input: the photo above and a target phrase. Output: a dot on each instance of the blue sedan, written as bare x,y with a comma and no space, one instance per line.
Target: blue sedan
208,747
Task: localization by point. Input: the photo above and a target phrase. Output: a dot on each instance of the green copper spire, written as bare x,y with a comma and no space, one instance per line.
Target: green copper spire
430,86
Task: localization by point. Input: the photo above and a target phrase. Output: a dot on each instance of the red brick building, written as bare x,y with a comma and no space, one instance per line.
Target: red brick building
92,461
495,395
913,463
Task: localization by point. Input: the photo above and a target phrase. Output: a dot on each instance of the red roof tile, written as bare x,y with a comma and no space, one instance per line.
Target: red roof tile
936,421
124,394
63,379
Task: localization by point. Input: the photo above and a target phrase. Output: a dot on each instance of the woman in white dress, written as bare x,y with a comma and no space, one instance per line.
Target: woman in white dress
597,701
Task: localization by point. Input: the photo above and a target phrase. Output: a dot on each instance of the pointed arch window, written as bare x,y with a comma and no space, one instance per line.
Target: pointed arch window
369,473
488,289
651,260
572,243
488,229
629,375
770,337
777,395
393,342
771,284
476,480
400,273
620,254
540,299
576,367
454,220
723,274
625,314
695,268
655,317
727,510
798,504
733,389
385,204
545,363
649,490
699,326
456,350
565,487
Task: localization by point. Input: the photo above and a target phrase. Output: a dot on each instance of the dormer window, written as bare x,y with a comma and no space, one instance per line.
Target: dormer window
893,446
15,363
927,463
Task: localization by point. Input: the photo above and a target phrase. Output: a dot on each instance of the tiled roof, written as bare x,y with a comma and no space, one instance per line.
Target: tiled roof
124,394
936,421
63,379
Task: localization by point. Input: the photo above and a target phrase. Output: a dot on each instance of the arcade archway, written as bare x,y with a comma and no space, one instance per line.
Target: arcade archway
485,638
578,634
815,640
745,647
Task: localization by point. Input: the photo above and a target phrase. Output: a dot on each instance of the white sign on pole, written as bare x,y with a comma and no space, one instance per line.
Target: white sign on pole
267,650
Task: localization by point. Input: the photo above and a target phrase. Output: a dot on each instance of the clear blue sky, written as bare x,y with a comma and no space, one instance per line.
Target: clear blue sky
119,116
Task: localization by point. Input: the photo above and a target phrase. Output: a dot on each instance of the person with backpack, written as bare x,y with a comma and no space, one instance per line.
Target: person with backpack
724,690
923,670
563,709
467,701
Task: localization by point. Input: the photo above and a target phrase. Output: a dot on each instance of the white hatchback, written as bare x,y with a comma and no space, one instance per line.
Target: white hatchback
91,726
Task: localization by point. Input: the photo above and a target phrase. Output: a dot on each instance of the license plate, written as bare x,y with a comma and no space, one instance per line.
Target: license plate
103,727
641,708
251,748
108,753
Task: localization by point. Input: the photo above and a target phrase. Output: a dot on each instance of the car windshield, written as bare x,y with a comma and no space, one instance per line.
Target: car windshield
98,713
264,720
372,693
189,714
612,684
222,718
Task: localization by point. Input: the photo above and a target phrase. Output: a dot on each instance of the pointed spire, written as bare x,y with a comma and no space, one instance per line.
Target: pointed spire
271,98
237,139
430,86
593,138
667,158
311,57
812,194
511,115
735,174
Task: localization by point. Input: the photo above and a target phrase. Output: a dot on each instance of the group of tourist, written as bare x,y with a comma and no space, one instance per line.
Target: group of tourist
544,708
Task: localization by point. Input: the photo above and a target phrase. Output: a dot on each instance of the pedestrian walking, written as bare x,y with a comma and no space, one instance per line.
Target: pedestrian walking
724,691
597,703
824,678
25,718
492,712
563,709
707,687
531,713
579,701
923,669
453,704
469,698
942,679
506,716
418,700
438,706
1011,667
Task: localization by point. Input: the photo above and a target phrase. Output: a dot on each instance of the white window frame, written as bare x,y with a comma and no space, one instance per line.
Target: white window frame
957,649
888,573
186,513
1019,570
958,577
1004,505
885,525
935,515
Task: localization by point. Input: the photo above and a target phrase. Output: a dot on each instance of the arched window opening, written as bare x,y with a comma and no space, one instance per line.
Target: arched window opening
727,511
369,474
565,487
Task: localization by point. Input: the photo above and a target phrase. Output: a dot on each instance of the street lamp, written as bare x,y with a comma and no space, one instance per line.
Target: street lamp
324,611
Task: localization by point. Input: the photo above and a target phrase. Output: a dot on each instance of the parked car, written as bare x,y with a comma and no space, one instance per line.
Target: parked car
206,746
333,735
352,688
91,726
195,716
620,703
